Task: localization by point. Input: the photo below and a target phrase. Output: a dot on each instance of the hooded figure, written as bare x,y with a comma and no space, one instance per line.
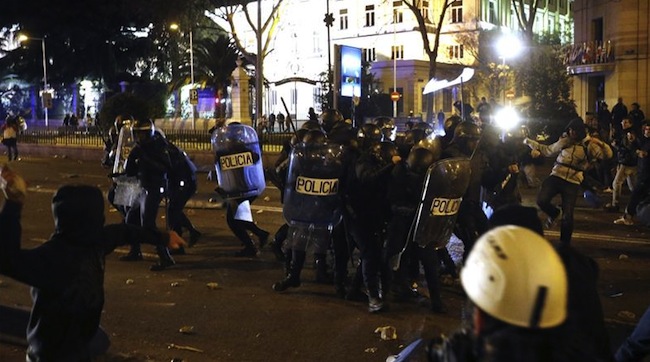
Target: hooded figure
66,272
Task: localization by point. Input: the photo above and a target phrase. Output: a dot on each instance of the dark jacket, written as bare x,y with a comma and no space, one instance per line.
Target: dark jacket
66,272
149,161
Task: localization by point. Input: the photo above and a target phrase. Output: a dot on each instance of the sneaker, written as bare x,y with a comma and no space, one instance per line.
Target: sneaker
611,207
552,222
195,235
608,190
375,305
624,220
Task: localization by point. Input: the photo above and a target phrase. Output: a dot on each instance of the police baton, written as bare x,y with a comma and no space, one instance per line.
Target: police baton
288,115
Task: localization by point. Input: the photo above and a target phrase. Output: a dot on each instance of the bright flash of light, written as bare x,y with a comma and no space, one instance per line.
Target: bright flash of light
507,118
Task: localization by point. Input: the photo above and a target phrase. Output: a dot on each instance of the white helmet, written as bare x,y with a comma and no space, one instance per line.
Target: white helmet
516,276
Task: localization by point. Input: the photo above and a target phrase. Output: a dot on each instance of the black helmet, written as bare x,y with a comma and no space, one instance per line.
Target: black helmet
144,125
434,145
329,117
419,160
309,125
414,136
518,134
467,130
314,137
387,126
122,120
424,126
298,136
387,151
451,123
370,132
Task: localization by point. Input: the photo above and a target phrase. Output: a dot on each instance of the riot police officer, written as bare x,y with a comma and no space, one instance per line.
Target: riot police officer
472,221
149,162
369,211
240,174
182,185
313,201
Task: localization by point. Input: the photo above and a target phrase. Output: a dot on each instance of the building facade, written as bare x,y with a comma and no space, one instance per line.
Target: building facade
609,58
387,32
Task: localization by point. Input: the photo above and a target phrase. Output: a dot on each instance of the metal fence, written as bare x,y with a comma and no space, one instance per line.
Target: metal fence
92,137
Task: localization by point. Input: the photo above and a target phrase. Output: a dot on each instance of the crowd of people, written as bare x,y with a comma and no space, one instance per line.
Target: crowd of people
628,134
387,204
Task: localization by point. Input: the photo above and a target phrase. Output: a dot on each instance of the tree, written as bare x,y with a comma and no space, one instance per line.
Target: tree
526,21
543,78
264,33
424,26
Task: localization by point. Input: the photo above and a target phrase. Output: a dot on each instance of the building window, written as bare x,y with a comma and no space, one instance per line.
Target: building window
424,10
343,19
397,52
447,96
398,14
370,15
492,12
456,52
457,12
369,55
316,95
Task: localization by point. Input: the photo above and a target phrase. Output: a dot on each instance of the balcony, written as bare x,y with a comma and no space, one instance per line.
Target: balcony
589,57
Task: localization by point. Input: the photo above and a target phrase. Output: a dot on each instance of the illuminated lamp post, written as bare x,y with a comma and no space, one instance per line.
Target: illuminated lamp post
508,46
175,26
46,96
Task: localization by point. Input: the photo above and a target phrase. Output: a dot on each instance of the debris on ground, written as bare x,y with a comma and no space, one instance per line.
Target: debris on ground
388,333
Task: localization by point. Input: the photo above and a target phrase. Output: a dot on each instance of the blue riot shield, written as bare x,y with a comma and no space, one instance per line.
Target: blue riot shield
444,186
313,196
238,161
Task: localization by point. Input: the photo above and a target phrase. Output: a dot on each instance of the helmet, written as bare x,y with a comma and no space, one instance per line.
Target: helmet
387,126
387,151
329,117
122,120
419,160
518,134
432,144
309,125
450,124
145,126
370,132
516,276
341,133
314,137
298,136
467,130
424,126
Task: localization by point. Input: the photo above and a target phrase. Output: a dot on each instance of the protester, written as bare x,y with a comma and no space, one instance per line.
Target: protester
642,187
10,131
574,151
66,272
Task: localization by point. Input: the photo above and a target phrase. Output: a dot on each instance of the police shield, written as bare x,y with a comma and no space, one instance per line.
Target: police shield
238,161
444,186
312,196
127,189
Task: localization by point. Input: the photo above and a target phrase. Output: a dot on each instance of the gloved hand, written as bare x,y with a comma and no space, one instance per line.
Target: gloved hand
527,141
175,241
13,186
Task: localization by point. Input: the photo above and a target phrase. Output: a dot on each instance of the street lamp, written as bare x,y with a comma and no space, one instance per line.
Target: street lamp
175,26
45,94
508,46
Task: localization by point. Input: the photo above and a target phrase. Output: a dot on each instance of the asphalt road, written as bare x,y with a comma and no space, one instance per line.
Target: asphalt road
180,313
